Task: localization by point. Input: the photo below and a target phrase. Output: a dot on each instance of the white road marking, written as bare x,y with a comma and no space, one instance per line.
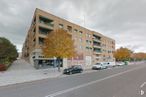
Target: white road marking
141,92
92,82
142,85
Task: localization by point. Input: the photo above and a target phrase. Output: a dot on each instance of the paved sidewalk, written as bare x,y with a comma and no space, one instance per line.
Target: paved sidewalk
21,72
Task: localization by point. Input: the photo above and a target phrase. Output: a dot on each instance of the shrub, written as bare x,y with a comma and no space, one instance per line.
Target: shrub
3,67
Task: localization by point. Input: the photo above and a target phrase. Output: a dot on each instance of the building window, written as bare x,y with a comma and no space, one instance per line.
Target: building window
69,28
61,26
34,31
80,32
44,31
88,41
89,48
41,41
75,30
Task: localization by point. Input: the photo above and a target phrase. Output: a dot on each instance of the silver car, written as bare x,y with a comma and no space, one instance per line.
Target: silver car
99,66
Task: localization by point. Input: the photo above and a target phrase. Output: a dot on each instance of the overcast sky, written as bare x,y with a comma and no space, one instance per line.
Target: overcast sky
122,20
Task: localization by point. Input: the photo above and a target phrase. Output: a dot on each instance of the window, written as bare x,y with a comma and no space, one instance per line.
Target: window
44,31
80,32
34,31
87,48
69,28
88,41
61,26
88,35
41,41
75,30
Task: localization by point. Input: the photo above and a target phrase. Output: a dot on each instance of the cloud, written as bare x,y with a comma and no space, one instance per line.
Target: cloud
125,21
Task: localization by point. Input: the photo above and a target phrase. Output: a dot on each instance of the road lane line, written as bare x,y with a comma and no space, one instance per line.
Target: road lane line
90,83
142,85
141,92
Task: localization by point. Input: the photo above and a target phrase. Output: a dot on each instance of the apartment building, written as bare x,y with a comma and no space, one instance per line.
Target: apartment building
92,47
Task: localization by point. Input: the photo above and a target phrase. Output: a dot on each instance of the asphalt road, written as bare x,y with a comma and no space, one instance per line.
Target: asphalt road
125,81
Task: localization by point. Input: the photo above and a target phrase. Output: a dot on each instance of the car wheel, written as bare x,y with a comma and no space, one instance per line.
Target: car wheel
70,73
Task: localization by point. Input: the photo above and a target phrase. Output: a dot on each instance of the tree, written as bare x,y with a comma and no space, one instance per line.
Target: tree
122,54
59,44
8,52
139,56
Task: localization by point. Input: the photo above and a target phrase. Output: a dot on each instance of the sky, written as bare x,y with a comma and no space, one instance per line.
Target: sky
122,20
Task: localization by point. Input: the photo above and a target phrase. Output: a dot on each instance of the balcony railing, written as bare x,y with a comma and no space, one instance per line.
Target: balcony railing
46,23
95,52
96,39
96,46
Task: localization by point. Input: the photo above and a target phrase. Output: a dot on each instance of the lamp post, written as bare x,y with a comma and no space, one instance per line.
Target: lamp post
54,62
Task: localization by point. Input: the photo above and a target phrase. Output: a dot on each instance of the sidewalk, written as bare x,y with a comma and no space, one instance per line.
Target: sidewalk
21,71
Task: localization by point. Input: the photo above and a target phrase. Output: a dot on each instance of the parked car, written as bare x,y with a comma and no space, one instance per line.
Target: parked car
73,69
120,64
99,66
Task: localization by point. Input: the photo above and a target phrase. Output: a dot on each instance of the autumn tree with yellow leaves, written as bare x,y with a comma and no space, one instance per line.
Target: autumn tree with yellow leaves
122,54
138,56
59,44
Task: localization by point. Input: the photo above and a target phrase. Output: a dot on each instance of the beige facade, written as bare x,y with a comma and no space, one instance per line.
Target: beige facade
92,46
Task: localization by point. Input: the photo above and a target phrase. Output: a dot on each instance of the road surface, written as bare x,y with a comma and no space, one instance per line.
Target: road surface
124,81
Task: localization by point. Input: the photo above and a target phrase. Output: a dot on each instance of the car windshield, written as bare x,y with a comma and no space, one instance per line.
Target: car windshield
76,66
98,64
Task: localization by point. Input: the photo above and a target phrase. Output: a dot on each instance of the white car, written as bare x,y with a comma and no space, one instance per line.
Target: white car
120,64
99,66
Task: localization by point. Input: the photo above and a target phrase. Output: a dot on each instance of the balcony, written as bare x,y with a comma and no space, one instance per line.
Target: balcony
41,41
44,31
97,57
96,46
97,51
45,22
96,38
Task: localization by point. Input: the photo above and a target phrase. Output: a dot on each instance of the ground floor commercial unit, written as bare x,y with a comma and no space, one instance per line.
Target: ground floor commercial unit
92,47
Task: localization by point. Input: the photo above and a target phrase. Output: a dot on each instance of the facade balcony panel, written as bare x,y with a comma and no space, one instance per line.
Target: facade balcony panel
46,21
96,40
97,52
46,26
96,46
97,57
42,35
